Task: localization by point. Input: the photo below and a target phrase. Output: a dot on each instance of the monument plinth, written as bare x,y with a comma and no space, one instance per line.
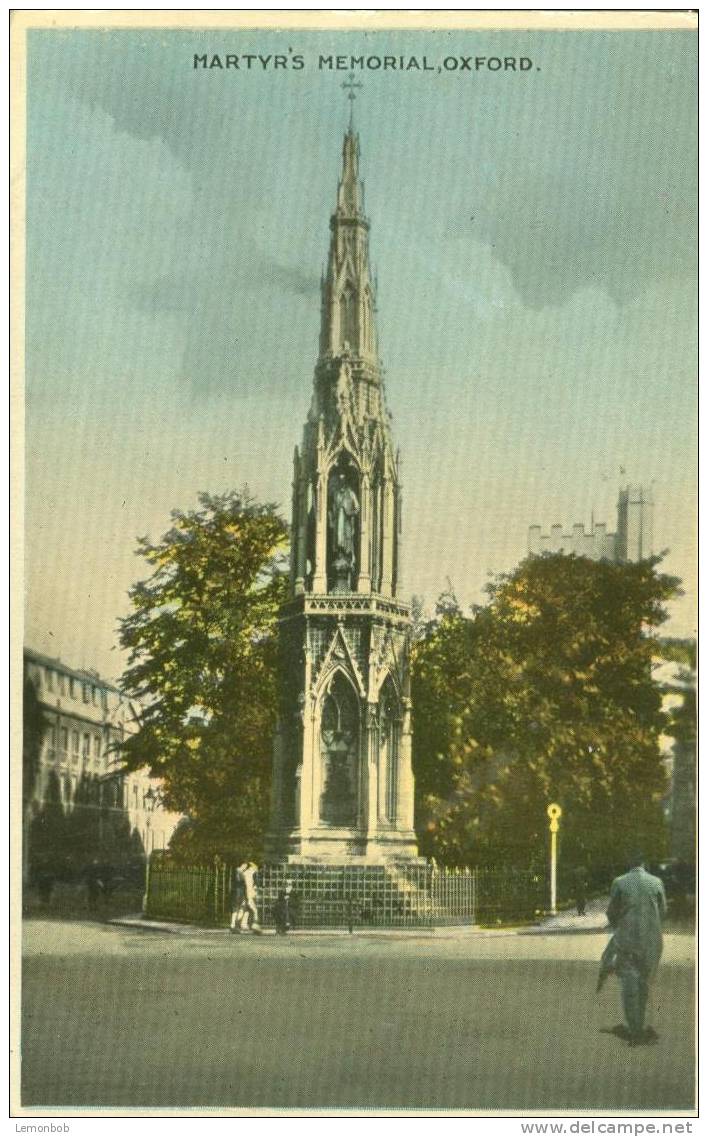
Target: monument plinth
342,777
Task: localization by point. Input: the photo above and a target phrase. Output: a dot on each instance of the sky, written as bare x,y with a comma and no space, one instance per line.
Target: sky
533,235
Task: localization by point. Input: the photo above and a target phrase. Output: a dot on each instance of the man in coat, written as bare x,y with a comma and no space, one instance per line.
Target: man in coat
637,907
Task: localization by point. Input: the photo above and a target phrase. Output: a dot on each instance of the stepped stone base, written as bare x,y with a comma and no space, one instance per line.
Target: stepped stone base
341,848
357,892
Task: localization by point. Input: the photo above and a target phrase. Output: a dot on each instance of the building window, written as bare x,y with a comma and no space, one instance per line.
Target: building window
94,696
64,739
97,746
86,746
86,692
72,686
53,736
49,677
62,684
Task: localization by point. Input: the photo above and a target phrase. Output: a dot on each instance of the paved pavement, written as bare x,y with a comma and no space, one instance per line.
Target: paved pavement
114,1016
594,920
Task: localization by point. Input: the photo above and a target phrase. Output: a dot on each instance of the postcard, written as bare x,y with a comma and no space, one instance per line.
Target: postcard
354,414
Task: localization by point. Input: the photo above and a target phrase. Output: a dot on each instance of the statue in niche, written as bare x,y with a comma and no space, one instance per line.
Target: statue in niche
343,512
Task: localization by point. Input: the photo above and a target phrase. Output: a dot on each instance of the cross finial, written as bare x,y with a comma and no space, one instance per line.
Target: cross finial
350,86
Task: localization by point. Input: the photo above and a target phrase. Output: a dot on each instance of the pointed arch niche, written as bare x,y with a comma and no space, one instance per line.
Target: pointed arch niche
389,746
339,753
343,525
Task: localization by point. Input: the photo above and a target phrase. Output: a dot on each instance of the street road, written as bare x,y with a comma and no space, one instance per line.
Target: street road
499,1022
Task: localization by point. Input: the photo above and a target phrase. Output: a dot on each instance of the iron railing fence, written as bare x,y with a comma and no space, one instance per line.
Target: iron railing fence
348,896
505,896
369,896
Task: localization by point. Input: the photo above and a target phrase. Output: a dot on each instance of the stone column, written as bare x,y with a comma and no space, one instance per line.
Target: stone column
404,804
398,559
371,789
301,536
364,581
308,809
319,582
376,536
384,759
387,538
277,810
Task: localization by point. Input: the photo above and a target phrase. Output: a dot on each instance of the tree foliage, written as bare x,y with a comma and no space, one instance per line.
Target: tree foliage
201,637
545,694
682,715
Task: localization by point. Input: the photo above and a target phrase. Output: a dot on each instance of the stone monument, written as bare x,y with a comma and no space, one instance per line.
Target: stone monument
342,778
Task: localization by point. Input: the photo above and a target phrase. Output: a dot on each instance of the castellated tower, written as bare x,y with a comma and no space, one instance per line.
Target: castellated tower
342,778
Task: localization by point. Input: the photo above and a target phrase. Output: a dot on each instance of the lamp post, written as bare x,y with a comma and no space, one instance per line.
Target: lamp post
150,800
554,812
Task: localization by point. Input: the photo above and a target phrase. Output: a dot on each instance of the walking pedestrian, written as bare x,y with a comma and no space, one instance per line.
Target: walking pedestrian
237,897
581,890
244,913
637,907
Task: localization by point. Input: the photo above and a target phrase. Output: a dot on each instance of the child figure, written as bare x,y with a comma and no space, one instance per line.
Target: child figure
281,912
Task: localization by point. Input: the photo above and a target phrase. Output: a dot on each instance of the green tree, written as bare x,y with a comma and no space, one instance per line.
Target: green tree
682,727
545,694
34,728
202,648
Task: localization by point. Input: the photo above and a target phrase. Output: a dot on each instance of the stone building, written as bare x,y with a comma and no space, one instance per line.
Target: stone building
678,683
84,717
343,784
632,540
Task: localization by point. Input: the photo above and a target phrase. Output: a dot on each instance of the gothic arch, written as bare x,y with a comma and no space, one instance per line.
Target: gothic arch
389,674
326,676
390,720
339,733
343,444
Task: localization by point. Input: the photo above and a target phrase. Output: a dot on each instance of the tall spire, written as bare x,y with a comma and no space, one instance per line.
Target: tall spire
350,86
347,290
350,193
342,774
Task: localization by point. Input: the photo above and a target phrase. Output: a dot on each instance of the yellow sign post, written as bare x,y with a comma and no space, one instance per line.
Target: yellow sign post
554,812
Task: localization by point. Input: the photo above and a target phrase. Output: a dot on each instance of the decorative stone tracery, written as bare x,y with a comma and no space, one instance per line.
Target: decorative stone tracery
343,785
